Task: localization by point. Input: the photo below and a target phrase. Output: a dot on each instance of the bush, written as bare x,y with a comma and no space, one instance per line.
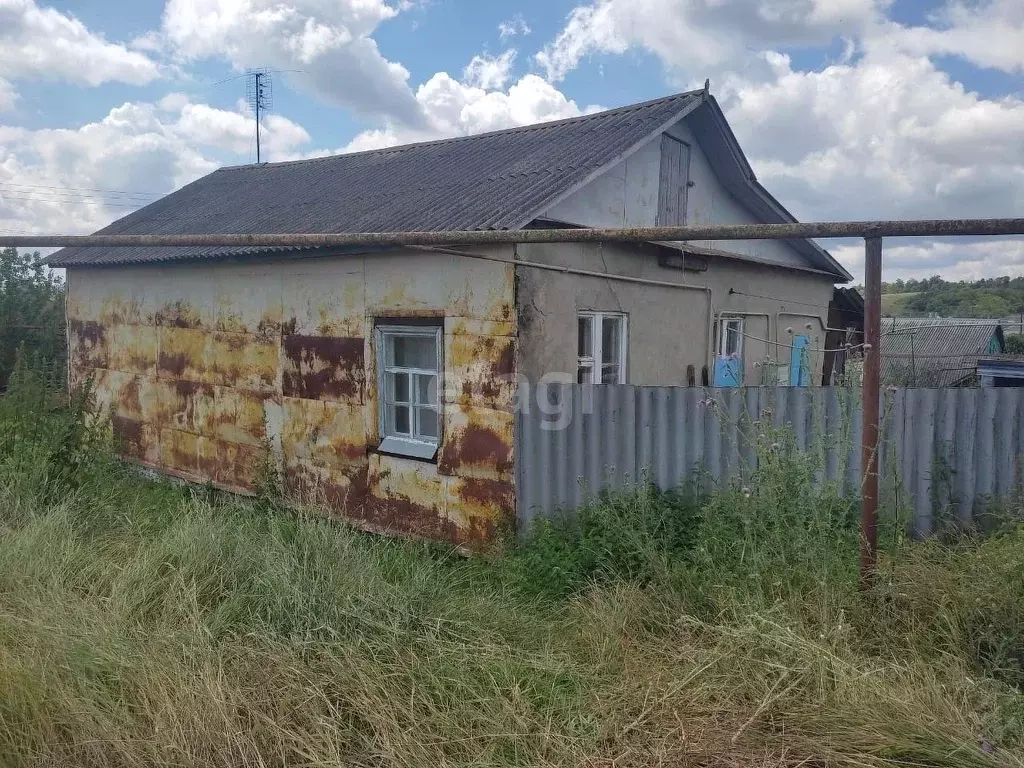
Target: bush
47,441
635,536
31,311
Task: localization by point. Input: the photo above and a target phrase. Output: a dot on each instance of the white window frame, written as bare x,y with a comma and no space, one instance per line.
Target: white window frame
414,445
724,321
593,360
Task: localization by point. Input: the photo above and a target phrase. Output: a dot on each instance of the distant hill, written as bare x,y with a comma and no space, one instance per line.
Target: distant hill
992,297
895,304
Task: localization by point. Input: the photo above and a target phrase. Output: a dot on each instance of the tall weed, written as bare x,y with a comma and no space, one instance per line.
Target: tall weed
145,624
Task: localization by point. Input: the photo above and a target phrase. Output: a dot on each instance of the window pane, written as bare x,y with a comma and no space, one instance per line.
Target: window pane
611,337
414,352
428,423
732,338
426,389
400,419
583,374
609,374
398,389
585,332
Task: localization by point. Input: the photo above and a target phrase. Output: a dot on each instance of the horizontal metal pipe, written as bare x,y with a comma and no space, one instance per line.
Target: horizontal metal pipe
563,270
823,229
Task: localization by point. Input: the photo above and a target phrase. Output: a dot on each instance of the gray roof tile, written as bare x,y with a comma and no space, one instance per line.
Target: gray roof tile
496,180
936,351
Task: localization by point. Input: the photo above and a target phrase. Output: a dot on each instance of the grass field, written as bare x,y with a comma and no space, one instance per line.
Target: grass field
896,303
143,624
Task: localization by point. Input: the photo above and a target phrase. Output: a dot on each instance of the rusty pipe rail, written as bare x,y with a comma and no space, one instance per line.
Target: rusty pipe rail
820,230
871,231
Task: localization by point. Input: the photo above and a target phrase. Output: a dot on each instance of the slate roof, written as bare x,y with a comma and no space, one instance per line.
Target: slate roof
499,180
936,351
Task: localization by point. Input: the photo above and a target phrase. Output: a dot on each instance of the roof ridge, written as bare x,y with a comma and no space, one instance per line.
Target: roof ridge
474,136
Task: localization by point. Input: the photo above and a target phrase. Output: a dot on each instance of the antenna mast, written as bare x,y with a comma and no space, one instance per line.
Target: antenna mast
259,92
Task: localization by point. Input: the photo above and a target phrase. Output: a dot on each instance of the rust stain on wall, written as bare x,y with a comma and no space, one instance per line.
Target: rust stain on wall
325,433
178,314
478,443
88,348
201,379
480,508
404,497
130,436
229,463
343,491
323,367
482,369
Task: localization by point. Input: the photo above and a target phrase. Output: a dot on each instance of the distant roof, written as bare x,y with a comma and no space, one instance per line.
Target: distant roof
850,304
943,351
499,180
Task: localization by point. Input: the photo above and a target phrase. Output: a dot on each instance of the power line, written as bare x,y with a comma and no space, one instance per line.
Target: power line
59,197
82,189
73,202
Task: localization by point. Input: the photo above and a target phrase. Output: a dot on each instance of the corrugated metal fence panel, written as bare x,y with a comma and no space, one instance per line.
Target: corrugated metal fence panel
942,450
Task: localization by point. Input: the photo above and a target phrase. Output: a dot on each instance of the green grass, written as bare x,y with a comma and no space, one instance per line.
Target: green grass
896,303
144,624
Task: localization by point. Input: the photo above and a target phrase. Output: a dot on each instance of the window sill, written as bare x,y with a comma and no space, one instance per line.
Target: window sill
410,449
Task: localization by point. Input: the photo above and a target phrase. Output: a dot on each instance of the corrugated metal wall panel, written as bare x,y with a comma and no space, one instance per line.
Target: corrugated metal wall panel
943,451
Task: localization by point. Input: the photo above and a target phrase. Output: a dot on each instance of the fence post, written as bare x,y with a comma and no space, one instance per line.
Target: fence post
870,390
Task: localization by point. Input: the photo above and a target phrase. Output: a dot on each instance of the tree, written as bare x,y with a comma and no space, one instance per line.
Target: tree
31,310
1015,344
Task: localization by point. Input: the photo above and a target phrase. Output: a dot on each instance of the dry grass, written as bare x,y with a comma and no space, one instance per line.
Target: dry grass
147,625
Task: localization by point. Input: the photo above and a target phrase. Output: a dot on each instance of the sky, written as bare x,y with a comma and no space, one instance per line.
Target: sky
846,109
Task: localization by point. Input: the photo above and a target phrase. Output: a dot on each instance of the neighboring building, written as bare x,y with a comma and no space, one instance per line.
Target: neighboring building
381,382
844,338
937,352
1001,371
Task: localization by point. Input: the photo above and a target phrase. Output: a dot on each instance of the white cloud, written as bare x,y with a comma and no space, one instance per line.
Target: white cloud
888,137
989,34
7,96
233,131
79,179
328,40
455,108
489,72
515,26
954,260
701,35
43,43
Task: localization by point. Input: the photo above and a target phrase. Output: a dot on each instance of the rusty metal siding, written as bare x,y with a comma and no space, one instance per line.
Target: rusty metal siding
213,372
944,452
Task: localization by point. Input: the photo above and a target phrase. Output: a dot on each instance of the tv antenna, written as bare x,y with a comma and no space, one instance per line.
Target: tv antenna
259,93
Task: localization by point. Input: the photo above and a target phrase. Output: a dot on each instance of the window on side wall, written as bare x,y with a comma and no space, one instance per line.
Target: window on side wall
408,376
602,344
729,335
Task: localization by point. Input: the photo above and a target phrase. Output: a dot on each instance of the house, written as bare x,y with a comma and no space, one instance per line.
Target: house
937,351
382,382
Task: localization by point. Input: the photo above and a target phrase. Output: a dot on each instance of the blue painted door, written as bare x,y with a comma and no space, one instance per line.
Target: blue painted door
728,372
799,363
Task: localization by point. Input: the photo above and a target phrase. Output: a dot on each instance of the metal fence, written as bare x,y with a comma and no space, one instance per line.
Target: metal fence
942,451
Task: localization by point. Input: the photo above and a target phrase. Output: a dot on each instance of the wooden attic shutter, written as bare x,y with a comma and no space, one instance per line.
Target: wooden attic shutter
672,185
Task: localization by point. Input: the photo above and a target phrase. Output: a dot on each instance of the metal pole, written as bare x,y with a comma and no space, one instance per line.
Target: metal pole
824,229
258,99
870,394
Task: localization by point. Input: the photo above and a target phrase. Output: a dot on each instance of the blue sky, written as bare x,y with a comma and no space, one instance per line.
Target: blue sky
846,108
